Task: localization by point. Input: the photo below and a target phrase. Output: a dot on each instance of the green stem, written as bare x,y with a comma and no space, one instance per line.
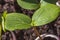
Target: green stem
3,24
3,20
37,33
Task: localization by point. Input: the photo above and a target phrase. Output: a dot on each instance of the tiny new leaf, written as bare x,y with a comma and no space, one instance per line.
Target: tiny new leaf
45,14
4,14
29,4
15,21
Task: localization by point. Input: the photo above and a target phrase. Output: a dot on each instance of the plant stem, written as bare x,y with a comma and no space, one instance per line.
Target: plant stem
13,35
37,33
58,32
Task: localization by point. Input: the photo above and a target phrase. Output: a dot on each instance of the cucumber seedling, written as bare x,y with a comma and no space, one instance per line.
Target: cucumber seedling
46,12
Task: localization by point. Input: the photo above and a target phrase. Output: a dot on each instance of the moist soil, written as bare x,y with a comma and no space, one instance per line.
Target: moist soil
49,38
29,34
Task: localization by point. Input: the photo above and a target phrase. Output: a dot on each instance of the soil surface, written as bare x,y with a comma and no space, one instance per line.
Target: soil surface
29,34
49,38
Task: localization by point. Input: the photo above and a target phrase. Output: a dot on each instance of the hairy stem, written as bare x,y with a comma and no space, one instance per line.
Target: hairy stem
37,33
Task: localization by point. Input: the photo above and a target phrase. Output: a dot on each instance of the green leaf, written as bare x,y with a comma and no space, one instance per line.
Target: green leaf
45,14
49,1
15,21
44,2
29,4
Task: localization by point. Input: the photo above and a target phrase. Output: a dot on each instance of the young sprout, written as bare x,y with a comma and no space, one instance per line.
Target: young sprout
43,15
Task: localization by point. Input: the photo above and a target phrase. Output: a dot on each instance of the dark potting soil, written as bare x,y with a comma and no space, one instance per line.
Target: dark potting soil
29,34
49,38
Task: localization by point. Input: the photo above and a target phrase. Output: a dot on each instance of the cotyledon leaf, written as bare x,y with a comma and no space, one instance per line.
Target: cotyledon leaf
44,2
29,4
49,1
15,21
45,14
